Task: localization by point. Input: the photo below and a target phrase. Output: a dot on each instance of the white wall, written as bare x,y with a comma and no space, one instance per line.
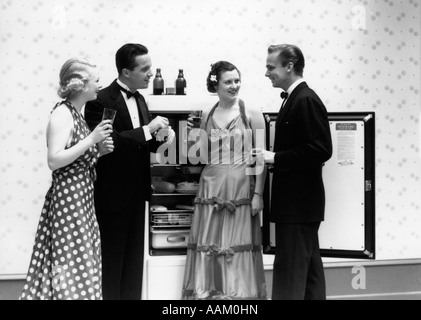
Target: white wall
361,56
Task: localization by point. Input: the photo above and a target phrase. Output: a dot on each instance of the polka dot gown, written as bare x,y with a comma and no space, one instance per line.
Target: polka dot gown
66,258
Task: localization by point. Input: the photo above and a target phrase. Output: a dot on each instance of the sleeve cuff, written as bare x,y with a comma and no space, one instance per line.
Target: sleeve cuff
148,135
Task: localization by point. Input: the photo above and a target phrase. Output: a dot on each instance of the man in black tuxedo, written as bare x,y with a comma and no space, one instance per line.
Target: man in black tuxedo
302,145
123,184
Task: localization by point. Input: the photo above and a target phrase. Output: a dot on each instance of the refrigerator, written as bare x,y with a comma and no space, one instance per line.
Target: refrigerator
349,176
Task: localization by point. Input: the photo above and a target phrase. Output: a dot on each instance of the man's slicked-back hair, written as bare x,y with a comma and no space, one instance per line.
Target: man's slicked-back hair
125,57
289,53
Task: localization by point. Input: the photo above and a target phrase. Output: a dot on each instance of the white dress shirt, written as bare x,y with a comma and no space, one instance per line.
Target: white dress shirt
133,111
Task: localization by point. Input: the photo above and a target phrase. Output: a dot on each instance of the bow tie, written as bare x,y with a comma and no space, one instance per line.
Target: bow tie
284,95
130,94
135,94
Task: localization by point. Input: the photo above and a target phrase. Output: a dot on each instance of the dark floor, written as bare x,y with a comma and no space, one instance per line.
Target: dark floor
10,289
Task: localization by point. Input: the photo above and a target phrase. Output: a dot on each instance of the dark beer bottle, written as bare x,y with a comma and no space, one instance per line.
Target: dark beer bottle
180,83
158,83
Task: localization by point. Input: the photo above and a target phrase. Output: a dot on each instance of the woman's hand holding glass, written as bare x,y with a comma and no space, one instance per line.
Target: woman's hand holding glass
102,136
102,131
106,146
194,119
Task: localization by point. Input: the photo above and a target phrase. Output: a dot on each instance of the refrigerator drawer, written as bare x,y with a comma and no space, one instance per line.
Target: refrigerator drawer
168,239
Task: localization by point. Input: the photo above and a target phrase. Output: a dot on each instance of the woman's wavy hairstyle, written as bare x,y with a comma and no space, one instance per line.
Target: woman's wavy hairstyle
74,75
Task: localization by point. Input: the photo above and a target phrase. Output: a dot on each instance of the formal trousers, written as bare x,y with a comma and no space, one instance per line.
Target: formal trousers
298,269
122,244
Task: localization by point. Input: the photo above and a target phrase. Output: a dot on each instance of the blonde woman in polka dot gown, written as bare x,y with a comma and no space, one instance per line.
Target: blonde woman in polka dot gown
66,258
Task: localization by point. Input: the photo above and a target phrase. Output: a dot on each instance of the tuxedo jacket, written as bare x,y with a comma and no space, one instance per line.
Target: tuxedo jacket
123,176
302,145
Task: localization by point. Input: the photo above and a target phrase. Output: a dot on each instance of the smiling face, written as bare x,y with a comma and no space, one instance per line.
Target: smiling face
229,85
140,76
92,87
278,74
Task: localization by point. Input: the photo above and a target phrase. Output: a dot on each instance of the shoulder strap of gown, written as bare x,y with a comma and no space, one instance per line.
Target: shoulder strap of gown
243,115
211,114
65,102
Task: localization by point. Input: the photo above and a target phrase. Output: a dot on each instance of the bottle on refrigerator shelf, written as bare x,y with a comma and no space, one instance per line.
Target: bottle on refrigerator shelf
180,83
158,83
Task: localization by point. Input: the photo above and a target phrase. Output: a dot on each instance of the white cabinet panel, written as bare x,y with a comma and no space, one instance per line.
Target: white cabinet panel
164,278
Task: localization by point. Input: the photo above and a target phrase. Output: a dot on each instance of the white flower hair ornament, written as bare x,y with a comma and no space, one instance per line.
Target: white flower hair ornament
213,78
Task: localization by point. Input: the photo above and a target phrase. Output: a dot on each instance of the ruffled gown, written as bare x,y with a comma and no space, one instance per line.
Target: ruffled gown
224,254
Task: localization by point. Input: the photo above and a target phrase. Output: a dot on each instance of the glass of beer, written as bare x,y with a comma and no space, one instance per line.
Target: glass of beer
196,117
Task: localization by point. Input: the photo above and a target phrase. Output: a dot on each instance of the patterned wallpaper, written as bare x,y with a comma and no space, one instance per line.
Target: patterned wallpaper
362,55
